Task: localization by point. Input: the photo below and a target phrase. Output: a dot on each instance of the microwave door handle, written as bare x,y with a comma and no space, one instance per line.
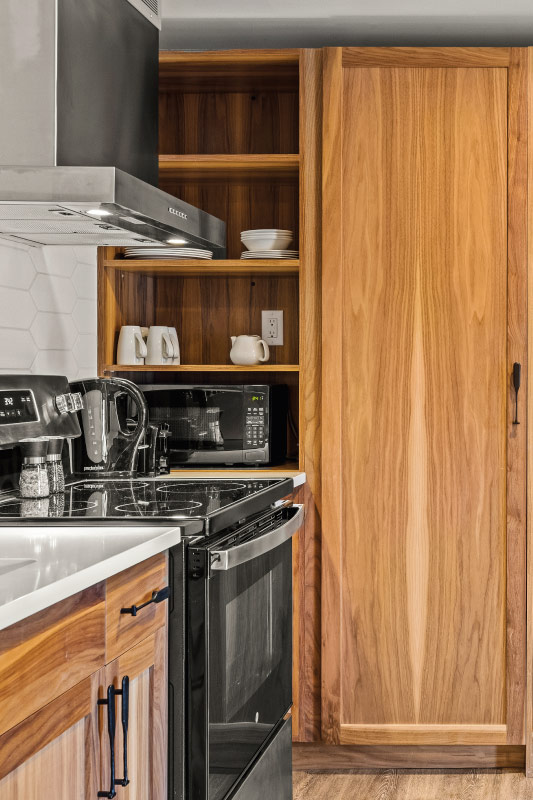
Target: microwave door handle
223,560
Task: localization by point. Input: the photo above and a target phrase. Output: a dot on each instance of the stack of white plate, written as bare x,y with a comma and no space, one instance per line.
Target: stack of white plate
166,253
267,243
270,254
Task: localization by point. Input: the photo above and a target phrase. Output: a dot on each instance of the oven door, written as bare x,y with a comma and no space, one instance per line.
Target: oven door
240,649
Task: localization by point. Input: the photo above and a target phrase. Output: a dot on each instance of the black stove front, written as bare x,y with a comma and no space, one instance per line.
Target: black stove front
221,503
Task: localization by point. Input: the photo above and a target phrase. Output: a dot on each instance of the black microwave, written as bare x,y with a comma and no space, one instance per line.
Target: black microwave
221,424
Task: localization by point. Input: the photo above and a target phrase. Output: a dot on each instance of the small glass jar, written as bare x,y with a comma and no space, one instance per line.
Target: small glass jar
34,478
56,475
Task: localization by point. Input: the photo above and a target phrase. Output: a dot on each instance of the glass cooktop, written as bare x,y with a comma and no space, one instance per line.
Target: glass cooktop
150,501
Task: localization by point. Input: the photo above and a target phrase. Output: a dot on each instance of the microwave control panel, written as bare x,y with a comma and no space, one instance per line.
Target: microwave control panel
256,424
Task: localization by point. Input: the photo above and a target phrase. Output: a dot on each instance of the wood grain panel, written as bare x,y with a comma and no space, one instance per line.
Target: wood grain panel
228,122
328,758
431,594
426,56
423,734
71,715
145,665
235,168
332,345
45,655
426,302
134,586
306,716
517,275
529,553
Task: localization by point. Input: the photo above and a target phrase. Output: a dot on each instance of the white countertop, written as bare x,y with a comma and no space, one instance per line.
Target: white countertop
61,561
64,560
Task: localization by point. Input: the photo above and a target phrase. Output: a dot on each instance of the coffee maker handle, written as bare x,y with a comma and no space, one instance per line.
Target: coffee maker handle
142,410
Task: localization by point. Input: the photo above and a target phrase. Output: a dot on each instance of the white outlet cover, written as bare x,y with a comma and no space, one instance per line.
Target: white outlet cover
266,331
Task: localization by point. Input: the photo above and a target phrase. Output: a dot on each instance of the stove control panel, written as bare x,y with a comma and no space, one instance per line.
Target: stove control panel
17,406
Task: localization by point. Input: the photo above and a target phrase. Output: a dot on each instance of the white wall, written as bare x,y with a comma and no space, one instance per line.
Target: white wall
48,310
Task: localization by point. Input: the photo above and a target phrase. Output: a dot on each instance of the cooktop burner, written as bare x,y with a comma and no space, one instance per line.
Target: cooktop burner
130,501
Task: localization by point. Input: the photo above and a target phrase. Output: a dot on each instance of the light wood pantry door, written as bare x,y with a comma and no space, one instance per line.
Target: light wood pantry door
424,313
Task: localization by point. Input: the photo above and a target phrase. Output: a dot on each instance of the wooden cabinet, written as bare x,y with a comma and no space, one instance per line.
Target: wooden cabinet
53,677
424,473
145,667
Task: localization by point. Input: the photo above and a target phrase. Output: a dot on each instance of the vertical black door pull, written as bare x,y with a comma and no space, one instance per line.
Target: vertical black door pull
125,692
111,727
517,369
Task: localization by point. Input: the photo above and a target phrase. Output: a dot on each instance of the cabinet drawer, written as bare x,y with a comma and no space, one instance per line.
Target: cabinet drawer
50,652
132,587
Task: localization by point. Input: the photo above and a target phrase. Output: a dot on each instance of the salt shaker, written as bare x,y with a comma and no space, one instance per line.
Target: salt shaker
33,474
54,465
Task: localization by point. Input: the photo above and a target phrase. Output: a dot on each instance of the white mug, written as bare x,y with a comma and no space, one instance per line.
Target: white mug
160,350
131,346
175,345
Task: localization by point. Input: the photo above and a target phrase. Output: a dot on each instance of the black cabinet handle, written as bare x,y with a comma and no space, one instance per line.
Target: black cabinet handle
517,369
111,727
157,597
125,692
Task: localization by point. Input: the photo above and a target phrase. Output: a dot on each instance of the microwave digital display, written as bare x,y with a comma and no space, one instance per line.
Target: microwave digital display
17,406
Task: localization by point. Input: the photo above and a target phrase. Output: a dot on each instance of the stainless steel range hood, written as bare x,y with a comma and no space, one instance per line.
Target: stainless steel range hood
79,128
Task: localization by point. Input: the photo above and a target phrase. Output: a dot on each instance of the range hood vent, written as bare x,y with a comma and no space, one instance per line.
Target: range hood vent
79,128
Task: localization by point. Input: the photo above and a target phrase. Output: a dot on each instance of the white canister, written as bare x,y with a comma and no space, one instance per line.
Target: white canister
131,346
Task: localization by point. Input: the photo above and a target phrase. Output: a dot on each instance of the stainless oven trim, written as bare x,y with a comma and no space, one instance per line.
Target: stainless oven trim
224,560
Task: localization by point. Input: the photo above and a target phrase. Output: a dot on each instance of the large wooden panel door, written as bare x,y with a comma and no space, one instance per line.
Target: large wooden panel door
424,314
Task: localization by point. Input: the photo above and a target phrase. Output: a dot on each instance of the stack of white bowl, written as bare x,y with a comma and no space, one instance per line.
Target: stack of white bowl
267,243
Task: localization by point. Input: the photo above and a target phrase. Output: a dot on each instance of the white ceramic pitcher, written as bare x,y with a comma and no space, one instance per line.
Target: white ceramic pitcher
248,350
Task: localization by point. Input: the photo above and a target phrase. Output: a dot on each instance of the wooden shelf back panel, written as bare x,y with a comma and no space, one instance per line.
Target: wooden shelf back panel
246,205
206,310
229,167
225,268
228,122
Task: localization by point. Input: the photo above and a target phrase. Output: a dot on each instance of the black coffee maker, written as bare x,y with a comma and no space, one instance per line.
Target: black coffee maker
117,440
108,445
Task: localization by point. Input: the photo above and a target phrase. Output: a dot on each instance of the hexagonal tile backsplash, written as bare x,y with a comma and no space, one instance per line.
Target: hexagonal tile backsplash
48,310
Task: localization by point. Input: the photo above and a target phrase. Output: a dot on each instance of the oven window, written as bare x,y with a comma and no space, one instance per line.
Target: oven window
250,661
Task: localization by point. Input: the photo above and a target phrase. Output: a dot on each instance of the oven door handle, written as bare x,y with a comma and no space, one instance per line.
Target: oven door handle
235,556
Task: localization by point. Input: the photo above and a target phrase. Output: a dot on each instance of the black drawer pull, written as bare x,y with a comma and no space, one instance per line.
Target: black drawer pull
157,597
125,692
516,384
111,727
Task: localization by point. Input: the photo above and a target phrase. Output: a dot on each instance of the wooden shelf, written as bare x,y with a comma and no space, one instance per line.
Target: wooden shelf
200,368
193,268
229,70
223,168
286,468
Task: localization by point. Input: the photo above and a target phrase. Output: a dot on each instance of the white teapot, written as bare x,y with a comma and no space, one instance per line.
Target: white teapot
248,350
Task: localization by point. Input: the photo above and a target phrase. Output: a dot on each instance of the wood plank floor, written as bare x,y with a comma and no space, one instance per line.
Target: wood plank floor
407,785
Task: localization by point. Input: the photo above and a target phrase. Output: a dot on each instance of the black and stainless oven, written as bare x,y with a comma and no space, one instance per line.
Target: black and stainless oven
239,658
245,424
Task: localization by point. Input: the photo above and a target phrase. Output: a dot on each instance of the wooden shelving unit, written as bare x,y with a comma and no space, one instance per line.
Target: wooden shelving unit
240,138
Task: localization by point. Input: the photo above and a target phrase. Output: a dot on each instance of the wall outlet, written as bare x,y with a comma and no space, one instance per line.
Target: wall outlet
272,327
